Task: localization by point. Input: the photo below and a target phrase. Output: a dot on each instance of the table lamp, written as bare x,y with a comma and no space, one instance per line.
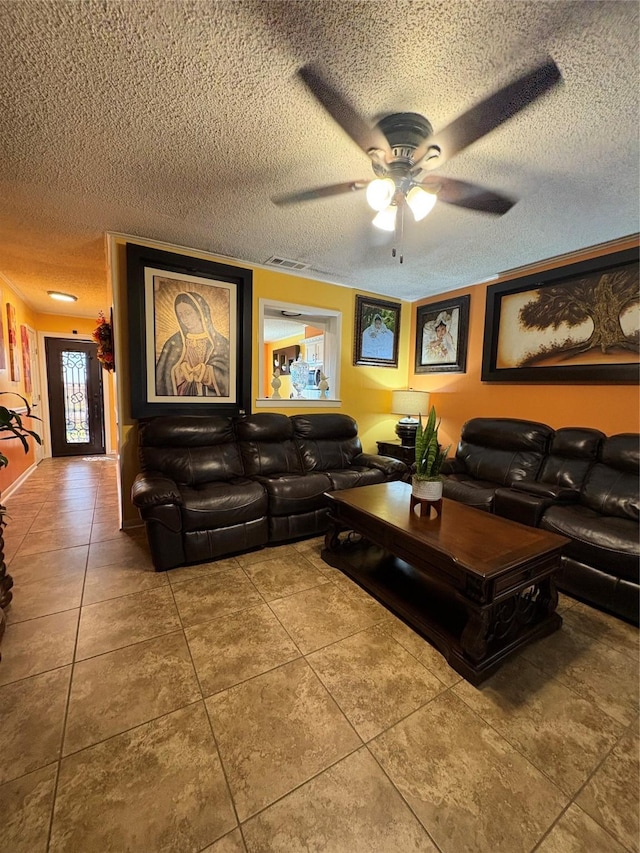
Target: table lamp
409,403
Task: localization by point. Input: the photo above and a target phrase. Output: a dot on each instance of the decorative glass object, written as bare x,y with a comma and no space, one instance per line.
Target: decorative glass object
299,372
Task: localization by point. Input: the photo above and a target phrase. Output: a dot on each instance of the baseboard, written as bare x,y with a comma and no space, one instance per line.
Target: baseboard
17,483
132,524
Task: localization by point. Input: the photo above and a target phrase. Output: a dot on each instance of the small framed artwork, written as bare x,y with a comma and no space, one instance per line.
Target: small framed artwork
26,359
189,335
377,329
576,323
442,329
12,331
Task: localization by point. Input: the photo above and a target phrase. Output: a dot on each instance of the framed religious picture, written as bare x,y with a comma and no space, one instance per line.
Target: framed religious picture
576,323
189,334
442,329
26,359
377,329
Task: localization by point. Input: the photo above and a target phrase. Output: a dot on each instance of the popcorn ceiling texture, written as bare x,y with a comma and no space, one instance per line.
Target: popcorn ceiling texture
177,121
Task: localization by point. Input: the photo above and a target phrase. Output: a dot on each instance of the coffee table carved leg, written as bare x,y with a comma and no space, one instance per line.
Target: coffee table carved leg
332,536
475,635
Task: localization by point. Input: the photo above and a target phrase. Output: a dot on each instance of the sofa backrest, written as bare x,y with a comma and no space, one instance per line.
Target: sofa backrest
190,449
572,452
503,450
611,486
326,442
266,445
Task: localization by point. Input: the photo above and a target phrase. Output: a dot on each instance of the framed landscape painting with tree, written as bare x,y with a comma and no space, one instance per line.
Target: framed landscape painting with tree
577,323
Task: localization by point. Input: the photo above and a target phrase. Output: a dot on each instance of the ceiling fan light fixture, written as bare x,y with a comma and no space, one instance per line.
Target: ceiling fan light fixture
386,219
420,202
380,193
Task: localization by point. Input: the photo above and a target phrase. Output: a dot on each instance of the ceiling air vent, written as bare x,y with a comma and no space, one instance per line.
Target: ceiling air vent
285,263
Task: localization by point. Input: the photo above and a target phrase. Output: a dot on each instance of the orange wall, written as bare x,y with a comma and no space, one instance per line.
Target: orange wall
460,396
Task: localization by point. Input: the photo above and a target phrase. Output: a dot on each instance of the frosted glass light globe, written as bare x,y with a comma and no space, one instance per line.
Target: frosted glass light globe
380,192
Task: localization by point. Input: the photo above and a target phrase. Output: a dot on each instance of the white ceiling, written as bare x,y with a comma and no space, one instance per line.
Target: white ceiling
178,121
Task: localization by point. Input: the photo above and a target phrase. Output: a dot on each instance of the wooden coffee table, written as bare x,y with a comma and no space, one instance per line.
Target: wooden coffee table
476,585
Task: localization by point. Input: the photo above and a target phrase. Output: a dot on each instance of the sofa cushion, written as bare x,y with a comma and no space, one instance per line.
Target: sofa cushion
573,451
191,450
290,494
215,505
326,442
606,542
267,446
611,486
502,450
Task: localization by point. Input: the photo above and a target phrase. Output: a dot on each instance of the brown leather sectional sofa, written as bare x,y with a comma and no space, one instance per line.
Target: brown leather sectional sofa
573,481
215,485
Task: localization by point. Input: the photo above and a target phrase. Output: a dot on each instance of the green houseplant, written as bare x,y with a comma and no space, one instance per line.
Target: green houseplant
427,480
11,424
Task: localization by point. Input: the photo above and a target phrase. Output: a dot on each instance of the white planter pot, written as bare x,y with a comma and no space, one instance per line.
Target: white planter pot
428,490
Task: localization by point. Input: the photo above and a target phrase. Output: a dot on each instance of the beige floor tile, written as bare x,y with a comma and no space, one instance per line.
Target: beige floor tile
119,690
102,531
78,500
276,732
158,787
612,795
231,843
595,671
38,645
323,615
262,554
47,583
602,626
350,808
189,573
564,602
465,783
283,576
66,520
575,832
124,621
11,547
53,540
421,649
374,680
562,734
212,596
31,720
234,648
132,549
106,582
26,805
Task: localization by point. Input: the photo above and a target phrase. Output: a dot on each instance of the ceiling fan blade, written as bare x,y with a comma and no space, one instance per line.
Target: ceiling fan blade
467,195
320,192
490,113
366,137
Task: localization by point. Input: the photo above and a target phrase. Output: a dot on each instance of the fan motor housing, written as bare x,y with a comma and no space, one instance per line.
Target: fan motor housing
405,131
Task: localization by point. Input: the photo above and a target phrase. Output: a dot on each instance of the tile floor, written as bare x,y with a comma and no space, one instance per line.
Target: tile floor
265,703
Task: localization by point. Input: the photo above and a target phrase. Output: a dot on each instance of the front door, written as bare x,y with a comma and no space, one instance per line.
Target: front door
76,412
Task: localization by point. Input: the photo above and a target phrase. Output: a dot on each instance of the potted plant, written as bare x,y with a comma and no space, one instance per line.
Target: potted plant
11,423
426,482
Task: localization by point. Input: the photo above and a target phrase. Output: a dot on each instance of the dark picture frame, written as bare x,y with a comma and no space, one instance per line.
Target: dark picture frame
190,337
376,333
577,323
442,329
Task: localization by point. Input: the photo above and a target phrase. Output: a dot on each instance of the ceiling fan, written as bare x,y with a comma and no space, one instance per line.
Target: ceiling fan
403,149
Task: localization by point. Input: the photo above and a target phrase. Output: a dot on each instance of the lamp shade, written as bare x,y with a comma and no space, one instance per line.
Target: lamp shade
409,402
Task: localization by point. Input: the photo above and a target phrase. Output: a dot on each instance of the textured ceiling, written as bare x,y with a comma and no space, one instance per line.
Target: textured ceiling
178,121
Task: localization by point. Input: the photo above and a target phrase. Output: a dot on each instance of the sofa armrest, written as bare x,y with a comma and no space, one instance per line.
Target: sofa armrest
393,469
557,494
451,465
522,507
154,489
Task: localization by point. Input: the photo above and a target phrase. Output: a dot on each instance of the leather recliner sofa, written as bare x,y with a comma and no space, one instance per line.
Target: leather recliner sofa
212,486
573,481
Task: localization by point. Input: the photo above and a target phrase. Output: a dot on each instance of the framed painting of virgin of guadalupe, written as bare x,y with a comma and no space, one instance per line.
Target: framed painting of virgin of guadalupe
189,334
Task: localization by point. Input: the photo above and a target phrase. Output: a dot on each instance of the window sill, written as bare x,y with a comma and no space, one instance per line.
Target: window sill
288,403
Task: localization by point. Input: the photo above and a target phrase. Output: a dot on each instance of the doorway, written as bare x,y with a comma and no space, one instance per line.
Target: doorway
76,411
